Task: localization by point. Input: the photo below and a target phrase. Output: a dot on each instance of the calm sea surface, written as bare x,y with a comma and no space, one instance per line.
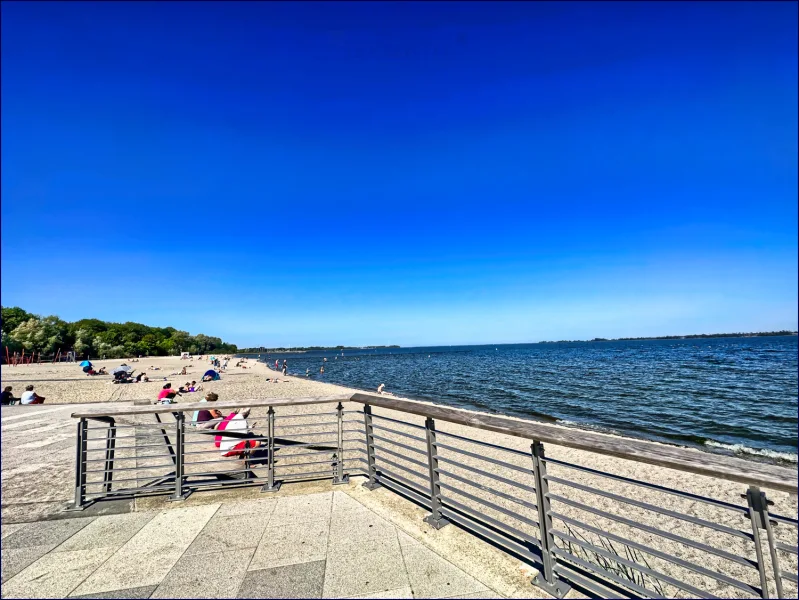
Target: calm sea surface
729,395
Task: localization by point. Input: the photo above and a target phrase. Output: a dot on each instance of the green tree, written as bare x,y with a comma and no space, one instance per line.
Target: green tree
13,317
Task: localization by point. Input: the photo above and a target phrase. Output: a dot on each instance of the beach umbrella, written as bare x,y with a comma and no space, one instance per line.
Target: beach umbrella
211,373
85,363
123,368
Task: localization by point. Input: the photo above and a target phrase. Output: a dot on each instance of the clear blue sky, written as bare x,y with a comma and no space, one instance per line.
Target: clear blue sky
410,173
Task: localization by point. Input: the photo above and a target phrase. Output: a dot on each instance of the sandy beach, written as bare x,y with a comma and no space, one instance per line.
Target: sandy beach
65,384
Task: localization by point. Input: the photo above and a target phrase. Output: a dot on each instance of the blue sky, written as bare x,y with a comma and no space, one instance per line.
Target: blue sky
409,173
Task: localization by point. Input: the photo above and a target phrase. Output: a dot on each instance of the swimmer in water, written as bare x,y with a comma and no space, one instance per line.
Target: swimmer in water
322,369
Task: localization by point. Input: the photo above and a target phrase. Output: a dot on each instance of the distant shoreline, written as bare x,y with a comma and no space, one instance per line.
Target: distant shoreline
695,336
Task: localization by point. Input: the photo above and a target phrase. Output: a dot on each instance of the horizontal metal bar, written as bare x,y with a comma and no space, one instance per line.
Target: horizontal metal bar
407,435
330,442
651,486
502,463
306,425
299,435
668,557
115,469
633,565
646,593
305,416
784,520
401,489
403,468
411,448
412,425
115,481
519,547
511,482
653,508
213,473
118,458
486,444
208,441
518,536
485,488
789,576
306,475
278,456
155,489
305,464
786,548
402,456
490,505
406,482
602,589
137,446
659,532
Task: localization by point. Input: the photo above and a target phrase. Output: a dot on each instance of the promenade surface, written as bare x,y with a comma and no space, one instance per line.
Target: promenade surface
310,540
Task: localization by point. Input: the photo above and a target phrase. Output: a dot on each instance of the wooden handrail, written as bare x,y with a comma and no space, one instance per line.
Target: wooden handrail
192,406
683,459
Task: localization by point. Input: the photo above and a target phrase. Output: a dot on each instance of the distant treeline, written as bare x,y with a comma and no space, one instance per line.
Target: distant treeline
681,337
95,338
310,349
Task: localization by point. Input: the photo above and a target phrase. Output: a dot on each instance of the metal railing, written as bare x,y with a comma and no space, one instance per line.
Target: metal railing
578,525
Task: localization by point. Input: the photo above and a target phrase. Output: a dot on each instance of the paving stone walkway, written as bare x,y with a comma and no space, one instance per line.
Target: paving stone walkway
321,545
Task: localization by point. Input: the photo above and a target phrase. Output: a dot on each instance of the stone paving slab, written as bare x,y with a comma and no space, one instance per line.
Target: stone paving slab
229,532
313,545
433,577
206,575
14,560
55,575
139,592
298,509
107,532
303,580
45,532
150,554
10,528
287,545
364,569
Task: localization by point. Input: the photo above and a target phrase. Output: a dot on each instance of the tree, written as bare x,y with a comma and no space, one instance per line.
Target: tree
13,317
41,335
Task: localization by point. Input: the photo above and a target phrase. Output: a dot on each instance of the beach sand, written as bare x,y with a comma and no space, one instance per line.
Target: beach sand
463,551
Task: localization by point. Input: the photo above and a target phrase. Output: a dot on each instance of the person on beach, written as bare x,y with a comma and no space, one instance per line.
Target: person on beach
166,393
8,397
31,397
277,368
380,388
204,416
211,375
285,367
183,371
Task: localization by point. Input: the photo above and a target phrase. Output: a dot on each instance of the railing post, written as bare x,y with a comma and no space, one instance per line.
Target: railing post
370,448
759,517
271,485
339,477
179,494
434,518
80,465
552,584
110,444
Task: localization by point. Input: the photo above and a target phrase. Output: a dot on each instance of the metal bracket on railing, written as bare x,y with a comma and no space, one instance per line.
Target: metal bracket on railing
180,494
271,484
370,448
551,583
434,518
339,478
759,517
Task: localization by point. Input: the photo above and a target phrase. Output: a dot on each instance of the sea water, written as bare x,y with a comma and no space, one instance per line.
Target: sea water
728,395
